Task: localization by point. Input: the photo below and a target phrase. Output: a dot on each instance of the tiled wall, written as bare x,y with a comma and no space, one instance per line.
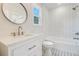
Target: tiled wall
64,21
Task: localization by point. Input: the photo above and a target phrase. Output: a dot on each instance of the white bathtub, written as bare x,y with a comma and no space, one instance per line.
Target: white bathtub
69,41
64,46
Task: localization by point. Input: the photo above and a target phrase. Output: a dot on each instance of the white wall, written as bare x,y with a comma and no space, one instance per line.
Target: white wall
7,27
64,21
46,21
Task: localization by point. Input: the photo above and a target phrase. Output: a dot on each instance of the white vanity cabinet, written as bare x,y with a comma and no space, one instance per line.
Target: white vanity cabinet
27,47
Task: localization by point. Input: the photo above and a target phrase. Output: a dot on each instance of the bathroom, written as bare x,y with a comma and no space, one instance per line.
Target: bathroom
44,29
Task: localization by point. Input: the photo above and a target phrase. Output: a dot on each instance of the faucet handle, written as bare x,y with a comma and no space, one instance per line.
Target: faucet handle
13,34
77,33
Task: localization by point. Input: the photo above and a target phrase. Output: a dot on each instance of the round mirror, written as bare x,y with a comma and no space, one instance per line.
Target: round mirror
15,12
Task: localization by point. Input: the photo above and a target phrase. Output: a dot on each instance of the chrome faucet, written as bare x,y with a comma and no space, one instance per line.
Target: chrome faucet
19,30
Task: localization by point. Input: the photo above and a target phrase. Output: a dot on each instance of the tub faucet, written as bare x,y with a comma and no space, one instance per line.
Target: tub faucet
19,30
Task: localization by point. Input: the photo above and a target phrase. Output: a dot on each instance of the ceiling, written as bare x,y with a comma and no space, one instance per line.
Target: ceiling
55,5
50,5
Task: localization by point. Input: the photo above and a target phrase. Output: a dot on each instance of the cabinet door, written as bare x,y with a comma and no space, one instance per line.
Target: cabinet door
34,48
20,51
36,52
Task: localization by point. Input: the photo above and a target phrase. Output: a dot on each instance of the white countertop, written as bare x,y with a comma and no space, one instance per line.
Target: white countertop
8,40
